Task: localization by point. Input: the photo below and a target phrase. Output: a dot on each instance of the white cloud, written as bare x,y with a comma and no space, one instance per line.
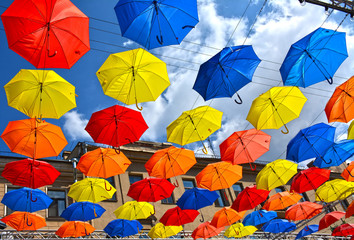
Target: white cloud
74,126
128,43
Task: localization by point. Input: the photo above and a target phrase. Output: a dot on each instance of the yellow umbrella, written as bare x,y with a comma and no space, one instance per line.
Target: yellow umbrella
275,174
337,189
134,210
133,76
238,230
162,231
40,93
194,125
92,190
276,107
351,131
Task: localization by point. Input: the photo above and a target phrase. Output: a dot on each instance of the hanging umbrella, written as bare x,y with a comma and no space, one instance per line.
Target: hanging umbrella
344,230
177,217
348,173
314,58
133,76
162,231
82,211
303,210
259,217
275,174
156,23
226,72
309,179
351,130
226,217
134,210
281,200
334,190
307,231
206,230
350,210
238,230
92,190
116,126
279,226
123,228
329,219
103,162
244,146
336,154
249,198
24,221
310,142
54,34
197,198
276,107
30,173
194,125
26,200
74,229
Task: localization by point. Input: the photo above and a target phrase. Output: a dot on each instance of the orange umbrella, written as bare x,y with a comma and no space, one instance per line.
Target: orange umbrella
219,175
34,139
281,200
226,217
350,210
24,221
206,230
74,229
103,162
303,210
348,173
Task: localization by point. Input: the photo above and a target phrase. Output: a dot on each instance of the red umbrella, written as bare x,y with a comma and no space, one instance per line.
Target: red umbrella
329,219
47,33
249,198
303,210
344,230
150,190
309,179
177,217
30,173
350,210
206,230
116,126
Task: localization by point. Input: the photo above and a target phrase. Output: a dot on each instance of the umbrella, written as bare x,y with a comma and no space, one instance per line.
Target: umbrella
344,230
279,226
249,198
348,173
329,219
334,190
275,174
226,72
259,217
276,107
309,179
26,200
194,125
197,198
82,211
307,231
162,231
74,229
351,131
336,154
156,23
133,76
206,230
340,107
177,217
103,162
30,173
34,139
54,34
238,230
150,190
116,126
123,228
244,146
226,217
303,210
134,210
218,175
281,200
310,142
24,221
350,210
314,58
92,190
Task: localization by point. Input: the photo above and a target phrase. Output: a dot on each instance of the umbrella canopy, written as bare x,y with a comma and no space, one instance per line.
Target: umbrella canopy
348,173
344,230
24,221
276,107
54,34
279,226
134,210
133,76
162,231
226,72
259,217
329,219
197,198
238,230
350,210
336,154
206,230
74,229
34,139
303,210
177,217
82,211
226,217
123,228
275,174
307,231
334,190
314,58
281,200
309,179
26,200
249,198
351,130
157,23
92,190
150,190
30,173
116,126
219,175
310,142
103,162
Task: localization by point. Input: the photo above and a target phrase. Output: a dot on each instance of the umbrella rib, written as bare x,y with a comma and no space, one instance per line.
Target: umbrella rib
180,10
64,30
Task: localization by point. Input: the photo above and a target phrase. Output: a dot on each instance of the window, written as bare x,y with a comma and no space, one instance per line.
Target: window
114,196
59,202
304,197
135,178
188,184
9,189
237,188
169,200
222,201
344,204
279,189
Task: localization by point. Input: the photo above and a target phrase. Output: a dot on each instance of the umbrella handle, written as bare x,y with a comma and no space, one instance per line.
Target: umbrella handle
287,130
330,161
28,223
105,186
226,198
139,108
159,39
36,165
117,150
330,81
307,228
202,219
240,100
204,150
51,55
253,168
187,26
39,120
176,184
32,198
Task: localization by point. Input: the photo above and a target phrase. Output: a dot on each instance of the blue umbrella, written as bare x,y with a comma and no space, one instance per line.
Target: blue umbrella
82,211
197,198
123,228
336,154
156,23
310,142
314,58
259,217
307,231
279,226
226,73
26,200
